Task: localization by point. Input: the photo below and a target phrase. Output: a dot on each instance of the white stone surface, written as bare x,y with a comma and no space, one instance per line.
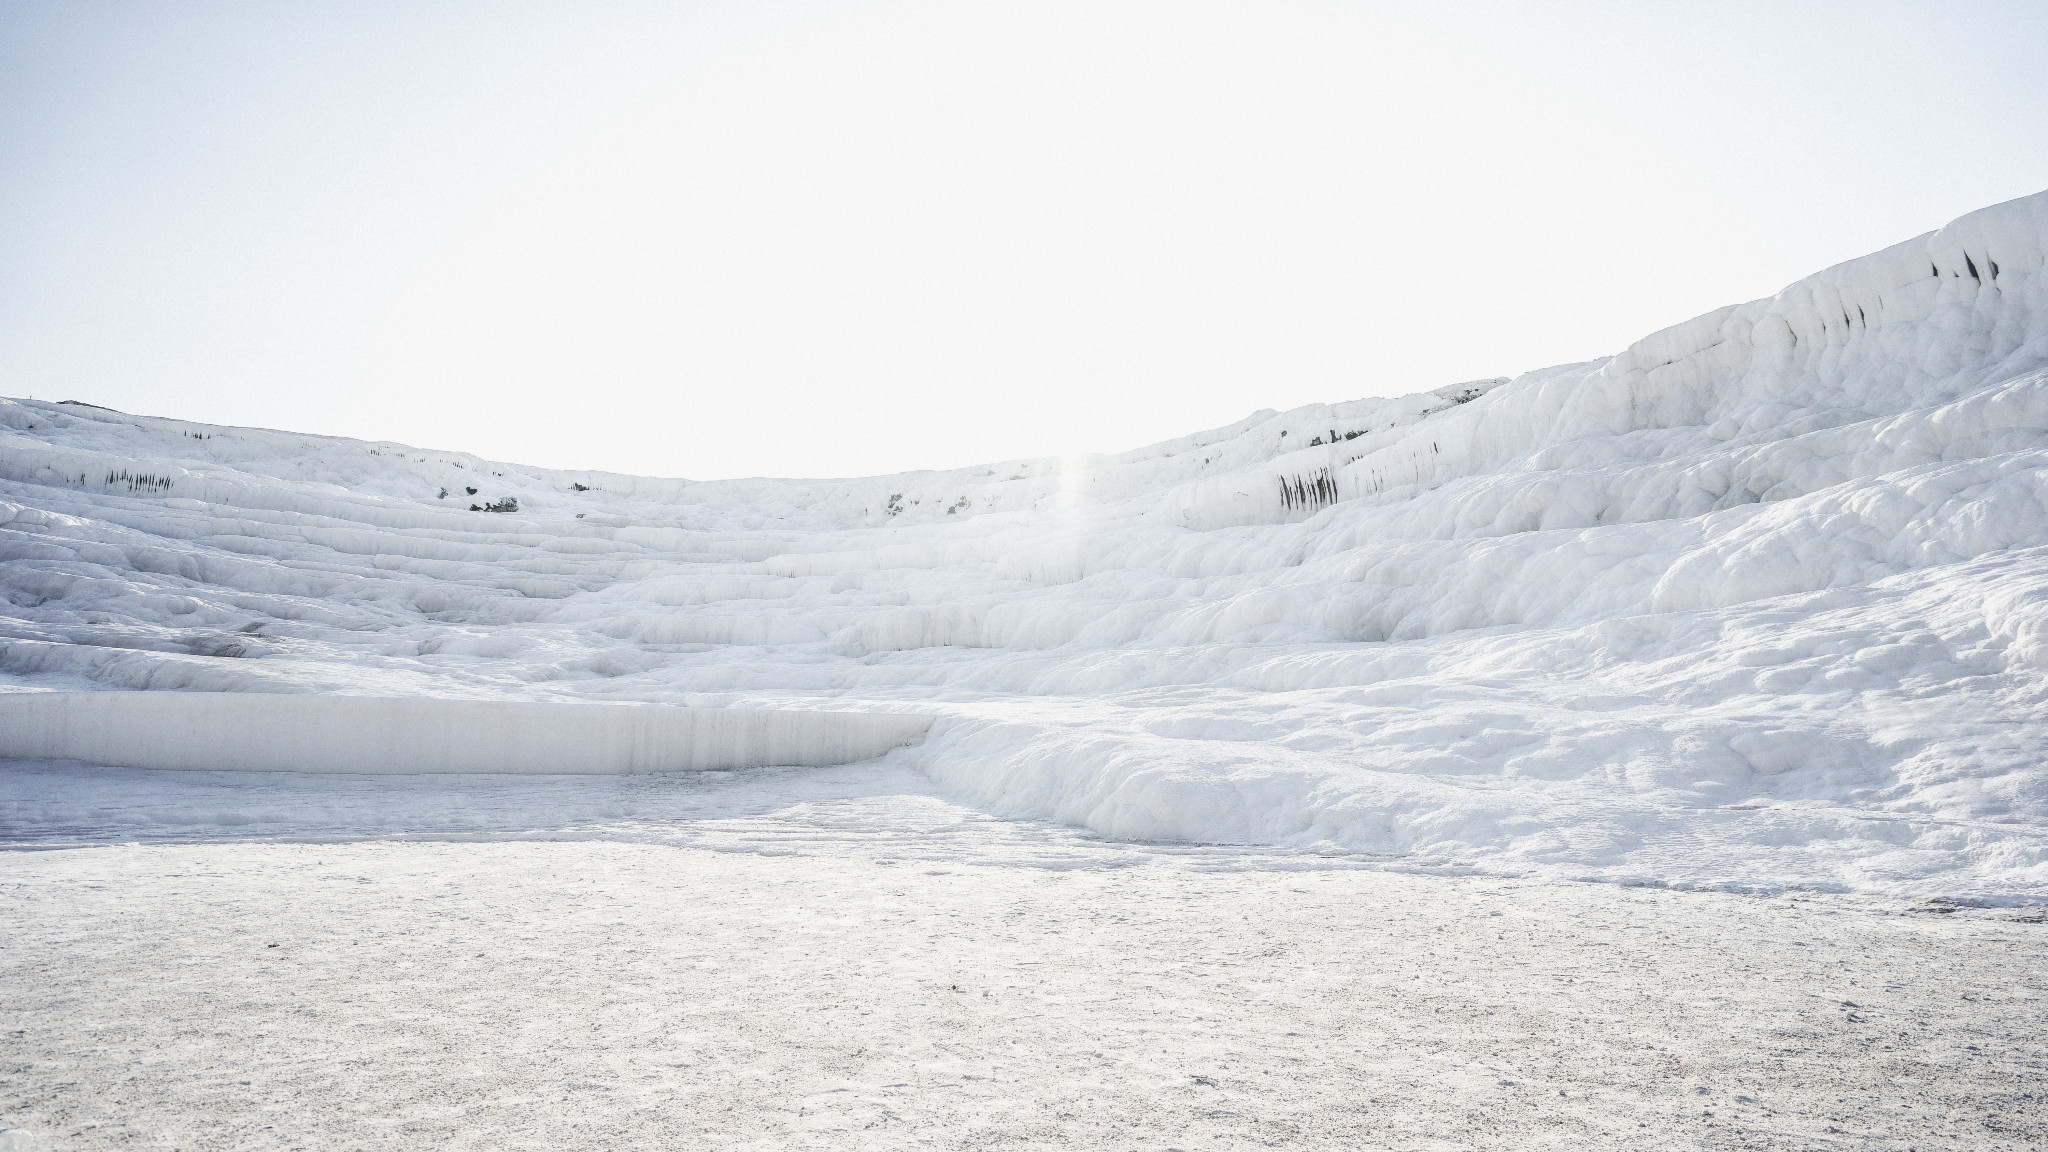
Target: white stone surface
890,970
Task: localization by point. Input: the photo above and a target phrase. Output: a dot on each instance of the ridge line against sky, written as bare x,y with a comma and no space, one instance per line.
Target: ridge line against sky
808,240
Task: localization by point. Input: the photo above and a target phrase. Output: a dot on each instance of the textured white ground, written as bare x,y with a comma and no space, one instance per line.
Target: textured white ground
837,960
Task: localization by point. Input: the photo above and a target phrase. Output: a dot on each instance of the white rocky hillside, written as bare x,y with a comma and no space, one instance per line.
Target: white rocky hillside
1760,601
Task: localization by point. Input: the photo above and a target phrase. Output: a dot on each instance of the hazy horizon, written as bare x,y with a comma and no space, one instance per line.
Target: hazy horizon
807,240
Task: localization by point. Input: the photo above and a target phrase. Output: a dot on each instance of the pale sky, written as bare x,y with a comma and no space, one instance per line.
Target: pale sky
838,238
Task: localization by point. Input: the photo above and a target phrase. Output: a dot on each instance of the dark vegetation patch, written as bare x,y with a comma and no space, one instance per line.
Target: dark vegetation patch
139,481
1315,490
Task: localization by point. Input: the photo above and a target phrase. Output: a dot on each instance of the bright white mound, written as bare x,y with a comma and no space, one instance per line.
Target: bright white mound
1762,600
302,733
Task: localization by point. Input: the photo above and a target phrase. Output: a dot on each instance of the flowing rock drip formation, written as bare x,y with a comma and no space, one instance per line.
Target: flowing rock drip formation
298,732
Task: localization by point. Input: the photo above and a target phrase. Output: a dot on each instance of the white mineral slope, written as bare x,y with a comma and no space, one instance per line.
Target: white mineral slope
1761,601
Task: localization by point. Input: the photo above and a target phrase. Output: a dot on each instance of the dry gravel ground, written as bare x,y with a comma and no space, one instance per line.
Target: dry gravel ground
811,979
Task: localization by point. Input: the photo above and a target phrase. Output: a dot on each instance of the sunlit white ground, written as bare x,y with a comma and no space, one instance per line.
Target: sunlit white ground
841,958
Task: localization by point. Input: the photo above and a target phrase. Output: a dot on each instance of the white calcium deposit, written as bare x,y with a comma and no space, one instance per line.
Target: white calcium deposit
1761,601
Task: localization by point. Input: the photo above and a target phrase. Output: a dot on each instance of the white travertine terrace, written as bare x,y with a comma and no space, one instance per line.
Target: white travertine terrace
1761,600
256,732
